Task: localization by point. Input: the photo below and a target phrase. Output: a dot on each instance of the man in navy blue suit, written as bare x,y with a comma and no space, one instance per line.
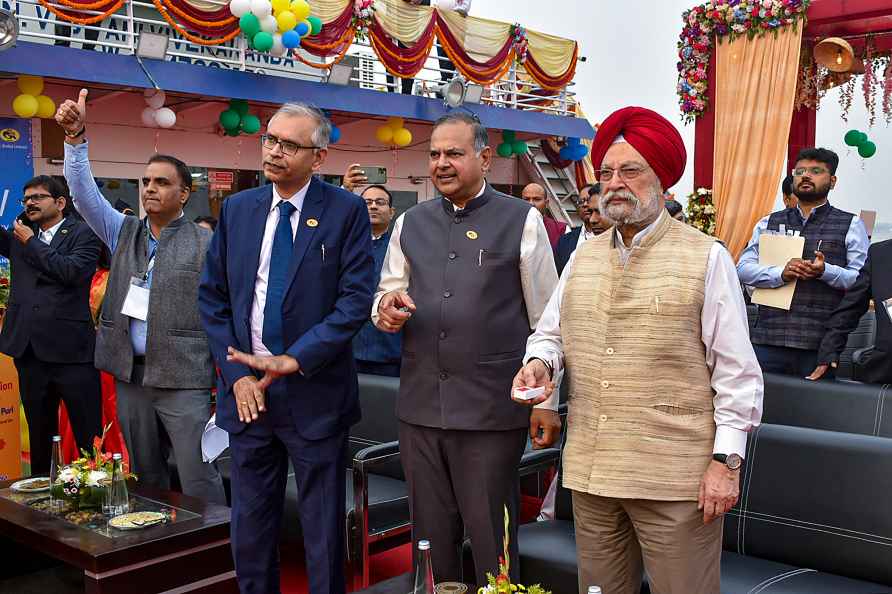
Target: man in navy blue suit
287,282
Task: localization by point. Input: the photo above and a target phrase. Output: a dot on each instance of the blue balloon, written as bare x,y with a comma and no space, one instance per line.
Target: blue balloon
335,135
565,154
572,142
302,28
579,152
290,39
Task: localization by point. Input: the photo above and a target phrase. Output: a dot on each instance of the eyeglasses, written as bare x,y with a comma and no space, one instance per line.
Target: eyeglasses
35,198
800,171
382,202
625,173
289,148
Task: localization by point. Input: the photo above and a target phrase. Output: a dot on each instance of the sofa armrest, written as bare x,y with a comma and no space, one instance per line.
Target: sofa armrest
535,461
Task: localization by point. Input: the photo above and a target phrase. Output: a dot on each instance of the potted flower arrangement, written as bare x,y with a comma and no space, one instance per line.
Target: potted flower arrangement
84,482
701,211
501,584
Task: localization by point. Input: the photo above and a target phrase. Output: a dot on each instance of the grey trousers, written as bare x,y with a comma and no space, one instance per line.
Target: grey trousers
143,412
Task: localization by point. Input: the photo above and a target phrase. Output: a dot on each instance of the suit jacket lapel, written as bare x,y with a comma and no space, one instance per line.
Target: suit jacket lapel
62,234
255,227
310,219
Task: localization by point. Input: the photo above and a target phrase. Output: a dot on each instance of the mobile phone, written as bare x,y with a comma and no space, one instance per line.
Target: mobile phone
375,175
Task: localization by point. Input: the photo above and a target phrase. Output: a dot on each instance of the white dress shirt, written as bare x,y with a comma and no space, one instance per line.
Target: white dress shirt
736,375
47,236
266,248
538,275
584,235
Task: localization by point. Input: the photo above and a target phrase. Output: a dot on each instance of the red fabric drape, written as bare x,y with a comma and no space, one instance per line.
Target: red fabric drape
404,62
212,24
114,439
330,40
553,156
483,73
551,83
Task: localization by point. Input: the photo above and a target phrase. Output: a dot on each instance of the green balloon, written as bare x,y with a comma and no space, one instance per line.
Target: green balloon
249,24
852,137
867,149
263,41
505,150
519,147
508,136
230,119
233,132
250,124
239,105
862,138
315,25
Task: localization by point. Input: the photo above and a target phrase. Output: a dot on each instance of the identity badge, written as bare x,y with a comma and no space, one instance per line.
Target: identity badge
136,304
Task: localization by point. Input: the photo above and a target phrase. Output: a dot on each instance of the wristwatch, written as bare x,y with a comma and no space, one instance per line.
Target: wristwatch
732,461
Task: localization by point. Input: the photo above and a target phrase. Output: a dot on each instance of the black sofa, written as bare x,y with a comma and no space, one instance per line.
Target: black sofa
813,518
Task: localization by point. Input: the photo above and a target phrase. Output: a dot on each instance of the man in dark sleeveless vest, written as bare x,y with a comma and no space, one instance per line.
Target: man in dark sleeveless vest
835,250
150,336
466,277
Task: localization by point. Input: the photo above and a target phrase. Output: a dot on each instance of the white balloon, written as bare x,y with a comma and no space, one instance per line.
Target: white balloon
238,8
269,24
154,97
278,50
261,8
148,117
165,117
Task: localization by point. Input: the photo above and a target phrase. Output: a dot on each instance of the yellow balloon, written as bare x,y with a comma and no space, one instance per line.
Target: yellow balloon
402,137
395,123
280,5
301,9
287,21
25,106
384,134
31,85
46,108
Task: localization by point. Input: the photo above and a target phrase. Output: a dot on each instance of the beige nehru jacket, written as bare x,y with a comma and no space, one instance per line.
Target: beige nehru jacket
641,421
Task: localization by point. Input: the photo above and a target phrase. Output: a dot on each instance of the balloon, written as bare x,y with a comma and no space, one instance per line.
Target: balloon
230,119
867,149
287,21
508,135
239,105
165,117
290,39
239,8
45,107
402,137
301,9
384,134
30,85
572,141
269,24
315,25
505,150
335,135
565,155
25,106
278,49
263,42
862,138
250,25
154,97
280,5
250,124
233,132
148,117
303,28
395,123
261,8
519,147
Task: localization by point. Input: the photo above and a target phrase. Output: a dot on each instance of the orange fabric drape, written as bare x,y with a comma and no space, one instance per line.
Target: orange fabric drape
754,93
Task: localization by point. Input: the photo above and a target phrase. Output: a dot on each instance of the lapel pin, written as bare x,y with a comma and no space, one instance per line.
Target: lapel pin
471,235
312,223
64,231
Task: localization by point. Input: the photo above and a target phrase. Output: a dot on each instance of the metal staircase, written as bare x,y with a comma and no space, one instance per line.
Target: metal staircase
559,184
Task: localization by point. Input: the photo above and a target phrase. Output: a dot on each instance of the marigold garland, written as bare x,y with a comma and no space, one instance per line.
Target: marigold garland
340,56
193,38
195,21
83,21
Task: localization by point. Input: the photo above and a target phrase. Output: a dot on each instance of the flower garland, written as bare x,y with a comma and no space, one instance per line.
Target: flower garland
717,19
521,43
701,211
362,19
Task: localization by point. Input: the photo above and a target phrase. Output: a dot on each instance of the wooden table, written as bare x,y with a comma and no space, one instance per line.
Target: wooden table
188,554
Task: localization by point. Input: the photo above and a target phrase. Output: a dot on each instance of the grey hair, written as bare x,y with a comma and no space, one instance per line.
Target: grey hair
322,132
481,136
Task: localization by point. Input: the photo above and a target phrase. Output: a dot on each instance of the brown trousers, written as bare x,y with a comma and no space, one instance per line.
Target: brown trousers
616,539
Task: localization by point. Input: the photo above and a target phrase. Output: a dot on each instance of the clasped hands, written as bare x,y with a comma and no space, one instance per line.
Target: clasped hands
797,268
249,392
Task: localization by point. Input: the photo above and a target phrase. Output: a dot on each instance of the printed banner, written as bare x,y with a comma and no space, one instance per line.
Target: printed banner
10,437
17,165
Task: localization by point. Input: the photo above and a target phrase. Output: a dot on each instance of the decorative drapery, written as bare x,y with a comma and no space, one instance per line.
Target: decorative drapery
755,90
482,50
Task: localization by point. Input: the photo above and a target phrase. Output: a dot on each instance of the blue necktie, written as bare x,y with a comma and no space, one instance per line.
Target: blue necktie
279,262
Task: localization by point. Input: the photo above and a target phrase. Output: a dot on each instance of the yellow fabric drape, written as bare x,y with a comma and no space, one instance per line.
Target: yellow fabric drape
328,10
755,89
552,53
403,21
482,38
207,5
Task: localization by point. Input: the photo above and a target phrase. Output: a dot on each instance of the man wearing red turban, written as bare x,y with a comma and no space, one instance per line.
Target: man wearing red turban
649,322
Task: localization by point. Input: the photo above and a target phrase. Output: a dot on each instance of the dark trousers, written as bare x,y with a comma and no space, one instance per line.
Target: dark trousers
259,470
65,31
460,481
788,361
376,368
445,64
405,83
42,386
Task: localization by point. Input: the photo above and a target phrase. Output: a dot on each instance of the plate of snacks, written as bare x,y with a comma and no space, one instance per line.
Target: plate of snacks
37,484
137,520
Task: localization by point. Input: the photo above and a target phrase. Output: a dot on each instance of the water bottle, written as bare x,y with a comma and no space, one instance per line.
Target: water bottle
424,574
56,465
118,498
594,590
